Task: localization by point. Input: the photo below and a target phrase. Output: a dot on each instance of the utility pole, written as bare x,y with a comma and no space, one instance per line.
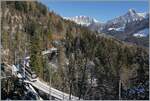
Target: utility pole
120,83
15,57
50,83
24,62
49,78
7,87
119,89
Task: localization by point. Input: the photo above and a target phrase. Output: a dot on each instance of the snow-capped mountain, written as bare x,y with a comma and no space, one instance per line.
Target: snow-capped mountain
82,20
131,27
120,23
131,24
130,16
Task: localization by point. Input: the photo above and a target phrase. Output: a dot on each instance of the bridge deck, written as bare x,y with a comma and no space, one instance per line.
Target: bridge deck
53,92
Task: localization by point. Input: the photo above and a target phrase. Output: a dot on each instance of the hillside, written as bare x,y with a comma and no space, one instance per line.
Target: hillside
89,65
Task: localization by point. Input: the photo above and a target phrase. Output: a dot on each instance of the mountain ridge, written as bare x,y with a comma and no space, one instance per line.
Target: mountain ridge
121,27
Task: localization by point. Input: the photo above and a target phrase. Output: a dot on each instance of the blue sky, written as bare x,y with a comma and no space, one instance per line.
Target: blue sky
100,10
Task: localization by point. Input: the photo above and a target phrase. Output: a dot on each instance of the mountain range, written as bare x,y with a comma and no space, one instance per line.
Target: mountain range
128,27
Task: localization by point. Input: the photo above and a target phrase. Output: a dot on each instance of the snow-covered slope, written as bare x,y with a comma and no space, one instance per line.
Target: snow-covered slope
117,29
144,15
82,20
142,33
